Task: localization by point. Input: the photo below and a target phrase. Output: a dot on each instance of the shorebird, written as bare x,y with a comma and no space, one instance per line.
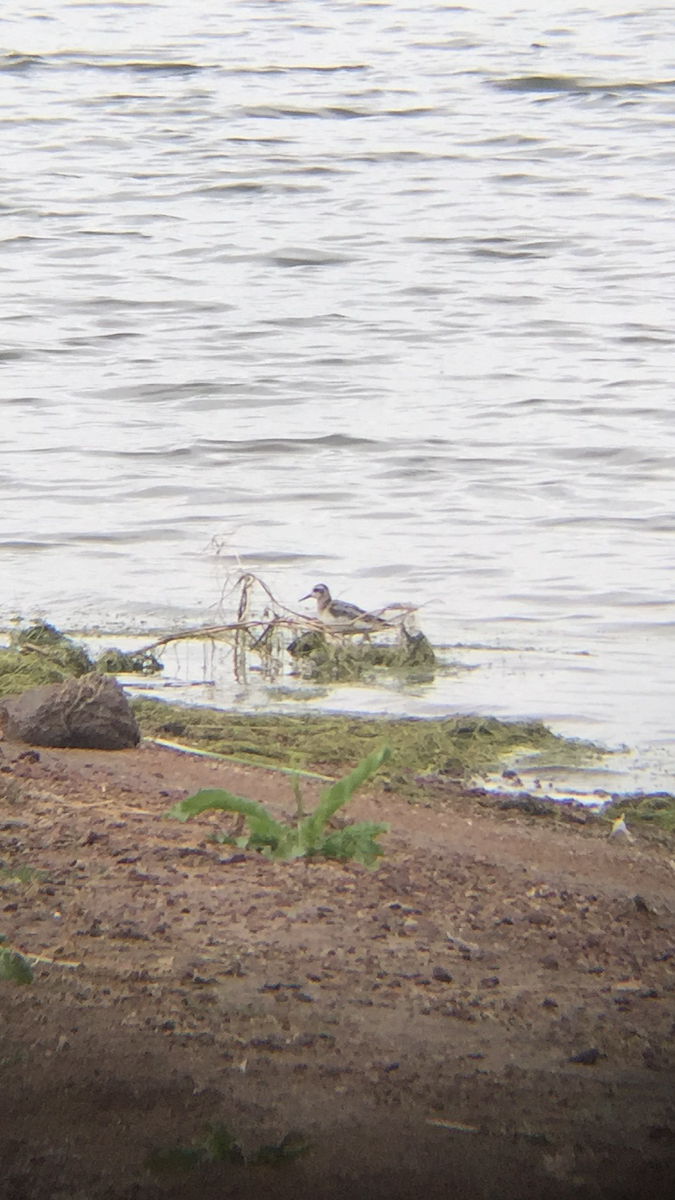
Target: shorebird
339,612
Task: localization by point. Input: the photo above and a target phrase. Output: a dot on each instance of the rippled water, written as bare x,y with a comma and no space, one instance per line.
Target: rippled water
372,293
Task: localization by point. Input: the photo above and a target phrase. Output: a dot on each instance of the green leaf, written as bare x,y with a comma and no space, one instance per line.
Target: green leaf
260,821
334,797
221,1146
14,968
287,1150
175,1160
265,831
223,839
356,842
289,847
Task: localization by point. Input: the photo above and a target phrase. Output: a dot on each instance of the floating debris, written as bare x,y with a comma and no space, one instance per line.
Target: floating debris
324,651
119,662
324,659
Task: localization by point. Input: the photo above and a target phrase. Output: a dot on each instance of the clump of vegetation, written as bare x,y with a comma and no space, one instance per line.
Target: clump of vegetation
329,661
22,874
218,1145
18,673
307,836
656,811
13,965
452,747
119,662
45,640
41,654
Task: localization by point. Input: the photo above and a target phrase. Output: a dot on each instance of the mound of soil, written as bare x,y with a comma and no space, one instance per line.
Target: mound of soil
489,1014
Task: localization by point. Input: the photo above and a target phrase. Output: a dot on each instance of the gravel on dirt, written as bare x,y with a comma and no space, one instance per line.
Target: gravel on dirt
490,1013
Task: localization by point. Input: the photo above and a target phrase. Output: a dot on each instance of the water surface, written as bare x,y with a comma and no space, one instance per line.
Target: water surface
374,294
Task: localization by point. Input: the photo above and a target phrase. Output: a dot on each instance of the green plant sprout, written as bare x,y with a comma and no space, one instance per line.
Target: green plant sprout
13,966
217,1145
306,836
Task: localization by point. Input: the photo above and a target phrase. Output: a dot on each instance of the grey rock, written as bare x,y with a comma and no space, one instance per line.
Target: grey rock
91,712
587,1058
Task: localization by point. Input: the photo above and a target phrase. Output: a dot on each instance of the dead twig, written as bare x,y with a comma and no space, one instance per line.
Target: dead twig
280,617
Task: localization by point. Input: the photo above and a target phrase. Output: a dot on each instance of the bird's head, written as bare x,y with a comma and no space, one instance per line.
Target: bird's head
319,592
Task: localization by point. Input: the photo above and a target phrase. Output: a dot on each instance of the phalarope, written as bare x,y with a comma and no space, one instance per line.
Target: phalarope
339,612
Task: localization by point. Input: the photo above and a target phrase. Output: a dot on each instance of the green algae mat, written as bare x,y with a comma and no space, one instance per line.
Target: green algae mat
457,747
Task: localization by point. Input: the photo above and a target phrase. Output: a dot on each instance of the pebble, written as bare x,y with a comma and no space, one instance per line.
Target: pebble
540,918
441,975
549,962
587,1058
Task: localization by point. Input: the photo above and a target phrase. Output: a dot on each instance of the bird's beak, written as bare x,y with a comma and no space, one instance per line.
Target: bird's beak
307,597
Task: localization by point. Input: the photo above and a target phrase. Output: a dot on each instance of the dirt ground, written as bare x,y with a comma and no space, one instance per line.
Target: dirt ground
417,1025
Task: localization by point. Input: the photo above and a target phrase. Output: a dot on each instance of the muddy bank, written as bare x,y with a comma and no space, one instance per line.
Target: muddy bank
488,1014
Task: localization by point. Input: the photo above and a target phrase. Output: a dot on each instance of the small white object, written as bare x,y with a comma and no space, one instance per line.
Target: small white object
619,828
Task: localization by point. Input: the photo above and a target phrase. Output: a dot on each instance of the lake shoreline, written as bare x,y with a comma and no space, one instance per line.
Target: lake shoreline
503,976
